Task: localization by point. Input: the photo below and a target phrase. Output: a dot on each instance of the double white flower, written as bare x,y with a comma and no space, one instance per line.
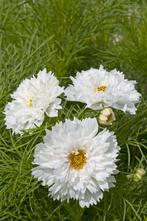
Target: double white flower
33,99
77,162
99,88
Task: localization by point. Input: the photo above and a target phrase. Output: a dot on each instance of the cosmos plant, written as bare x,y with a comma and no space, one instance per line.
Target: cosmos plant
76,159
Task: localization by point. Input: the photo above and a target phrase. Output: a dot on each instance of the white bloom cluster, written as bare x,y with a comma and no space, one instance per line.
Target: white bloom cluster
75,160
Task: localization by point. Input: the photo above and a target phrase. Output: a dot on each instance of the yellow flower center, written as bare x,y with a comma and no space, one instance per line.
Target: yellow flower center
77,159
30,102
101,88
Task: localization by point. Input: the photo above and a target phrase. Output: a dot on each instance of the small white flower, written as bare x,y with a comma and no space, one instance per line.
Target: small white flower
33,98
116,38
106,116
77,162
99,88
133,11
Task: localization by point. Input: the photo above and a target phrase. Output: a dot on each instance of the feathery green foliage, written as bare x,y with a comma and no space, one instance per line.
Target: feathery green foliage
67,36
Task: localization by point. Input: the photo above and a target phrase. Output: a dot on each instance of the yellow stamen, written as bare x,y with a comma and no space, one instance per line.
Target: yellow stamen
30,102
77,159
101,88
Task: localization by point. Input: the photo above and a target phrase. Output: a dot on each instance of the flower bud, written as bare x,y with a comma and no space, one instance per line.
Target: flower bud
137,175
140,171
106,116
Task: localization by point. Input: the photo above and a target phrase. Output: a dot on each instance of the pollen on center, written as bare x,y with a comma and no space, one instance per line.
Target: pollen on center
30,102
101,88
77,159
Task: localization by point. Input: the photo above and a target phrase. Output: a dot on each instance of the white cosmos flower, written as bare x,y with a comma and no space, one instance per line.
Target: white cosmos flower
99,88
77,162
33,99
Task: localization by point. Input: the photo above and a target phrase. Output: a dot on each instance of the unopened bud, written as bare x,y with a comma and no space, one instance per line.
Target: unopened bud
106,116
140,172
137,175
